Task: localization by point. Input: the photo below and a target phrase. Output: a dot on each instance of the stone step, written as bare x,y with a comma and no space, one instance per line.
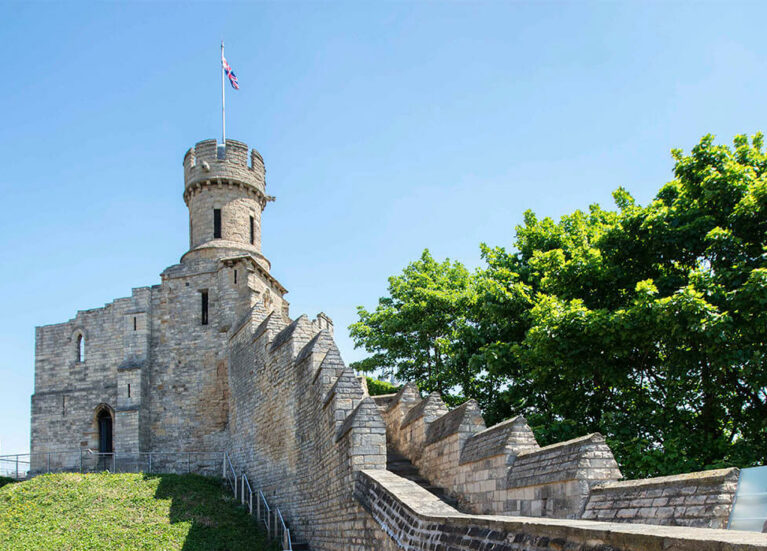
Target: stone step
401,466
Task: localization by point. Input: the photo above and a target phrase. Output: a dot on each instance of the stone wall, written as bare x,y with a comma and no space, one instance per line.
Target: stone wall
301,425
69,390
484,464
555,481
702,499
276,394
415,519
502,470
235,187
497,470
150,361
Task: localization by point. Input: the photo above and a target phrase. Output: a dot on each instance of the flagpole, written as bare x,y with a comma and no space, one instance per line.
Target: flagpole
223,99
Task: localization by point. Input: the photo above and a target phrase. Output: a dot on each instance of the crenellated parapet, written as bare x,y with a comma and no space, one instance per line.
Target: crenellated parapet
702,499
301,425
416,520
208,163
225,191
501,470
555,481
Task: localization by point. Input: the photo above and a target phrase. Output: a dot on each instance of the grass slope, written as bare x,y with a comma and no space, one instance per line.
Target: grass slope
124,511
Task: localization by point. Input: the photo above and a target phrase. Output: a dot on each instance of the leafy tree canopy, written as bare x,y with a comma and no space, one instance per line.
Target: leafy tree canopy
378,388
647,324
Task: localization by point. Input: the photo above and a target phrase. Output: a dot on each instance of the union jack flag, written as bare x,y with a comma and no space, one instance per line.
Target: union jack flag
230,74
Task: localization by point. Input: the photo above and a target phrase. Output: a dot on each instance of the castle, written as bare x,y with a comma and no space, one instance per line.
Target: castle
150,371
210,360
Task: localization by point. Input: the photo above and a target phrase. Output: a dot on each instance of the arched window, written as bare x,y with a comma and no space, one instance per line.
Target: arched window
80,348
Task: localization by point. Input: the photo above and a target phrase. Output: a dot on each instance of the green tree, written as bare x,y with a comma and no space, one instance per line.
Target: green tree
647,324
412,332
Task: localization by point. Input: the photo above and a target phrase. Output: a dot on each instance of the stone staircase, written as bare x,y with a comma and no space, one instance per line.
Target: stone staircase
401,466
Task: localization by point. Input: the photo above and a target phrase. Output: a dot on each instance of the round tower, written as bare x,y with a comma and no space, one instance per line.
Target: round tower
225,191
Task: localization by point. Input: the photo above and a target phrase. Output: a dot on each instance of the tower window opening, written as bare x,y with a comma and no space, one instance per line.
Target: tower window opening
135,324
235,277
80,349
252,230
216,223
63,406
204,306
128,390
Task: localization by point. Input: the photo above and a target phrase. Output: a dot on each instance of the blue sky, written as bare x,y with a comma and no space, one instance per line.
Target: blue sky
386,128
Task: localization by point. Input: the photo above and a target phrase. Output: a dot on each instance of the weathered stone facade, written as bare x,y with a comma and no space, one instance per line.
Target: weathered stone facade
416,520
210,360
503,470
155,361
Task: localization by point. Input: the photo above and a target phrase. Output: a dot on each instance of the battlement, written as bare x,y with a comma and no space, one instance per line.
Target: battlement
301,424
501,470
209,162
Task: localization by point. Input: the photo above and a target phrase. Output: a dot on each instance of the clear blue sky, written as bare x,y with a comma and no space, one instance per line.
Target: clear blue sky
386,128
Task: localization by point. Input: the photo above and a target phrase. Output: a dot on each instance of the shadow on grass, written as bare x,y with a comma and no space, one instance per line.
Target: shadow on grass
217,520
4,480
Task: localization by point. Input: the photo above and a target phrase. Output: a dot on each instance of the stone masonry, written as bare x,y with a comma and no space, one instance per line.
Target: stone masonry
210,360
151,361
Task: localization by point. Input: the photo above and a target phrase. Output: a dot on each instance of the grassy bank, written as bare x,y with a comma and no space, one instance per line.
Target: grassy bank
124,511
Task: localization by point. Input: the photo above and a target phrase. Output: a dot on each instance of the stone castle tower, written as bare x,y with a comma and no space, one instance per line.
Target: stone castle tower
209,361
149,372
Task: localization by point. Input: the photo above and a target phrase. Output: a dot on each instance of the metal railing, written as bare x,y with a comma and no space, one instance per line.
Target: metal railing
14,466
271,517
26,465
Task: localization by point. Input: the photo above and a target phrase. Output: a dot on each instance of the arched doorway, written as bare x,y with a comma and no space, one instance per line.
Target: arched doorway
105,431
103,418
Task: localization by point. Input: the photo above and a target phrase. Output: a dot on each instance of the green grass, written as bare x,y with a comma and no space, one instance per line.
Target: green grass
124,511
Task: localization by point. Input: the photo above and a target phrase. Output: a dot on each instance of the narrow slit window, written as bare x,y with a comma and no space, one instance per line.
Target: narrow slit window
216,223
128,390
63,406
80,348
235,277
252,230
135,323
204,306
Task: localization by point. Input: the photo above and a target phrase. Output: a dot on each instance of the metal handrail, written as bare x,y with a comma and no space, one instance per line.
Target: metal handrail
25,465
266,503
233,482
275,530
12,457
286,533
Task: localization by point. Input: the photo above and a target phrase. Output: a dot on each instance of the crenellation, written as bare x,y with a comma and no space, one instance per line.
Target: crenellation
209,359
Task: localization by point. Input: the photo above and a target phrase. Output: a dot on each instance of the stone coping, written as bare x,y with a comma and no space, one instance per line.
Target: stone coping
284,336
701,477
452,422
611,536
489,442
308,348
418,411
408,388
593,437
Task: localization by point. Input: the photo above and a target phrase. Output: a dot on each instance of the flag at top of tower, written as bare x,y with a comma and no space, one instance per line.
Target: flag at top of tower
230,74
